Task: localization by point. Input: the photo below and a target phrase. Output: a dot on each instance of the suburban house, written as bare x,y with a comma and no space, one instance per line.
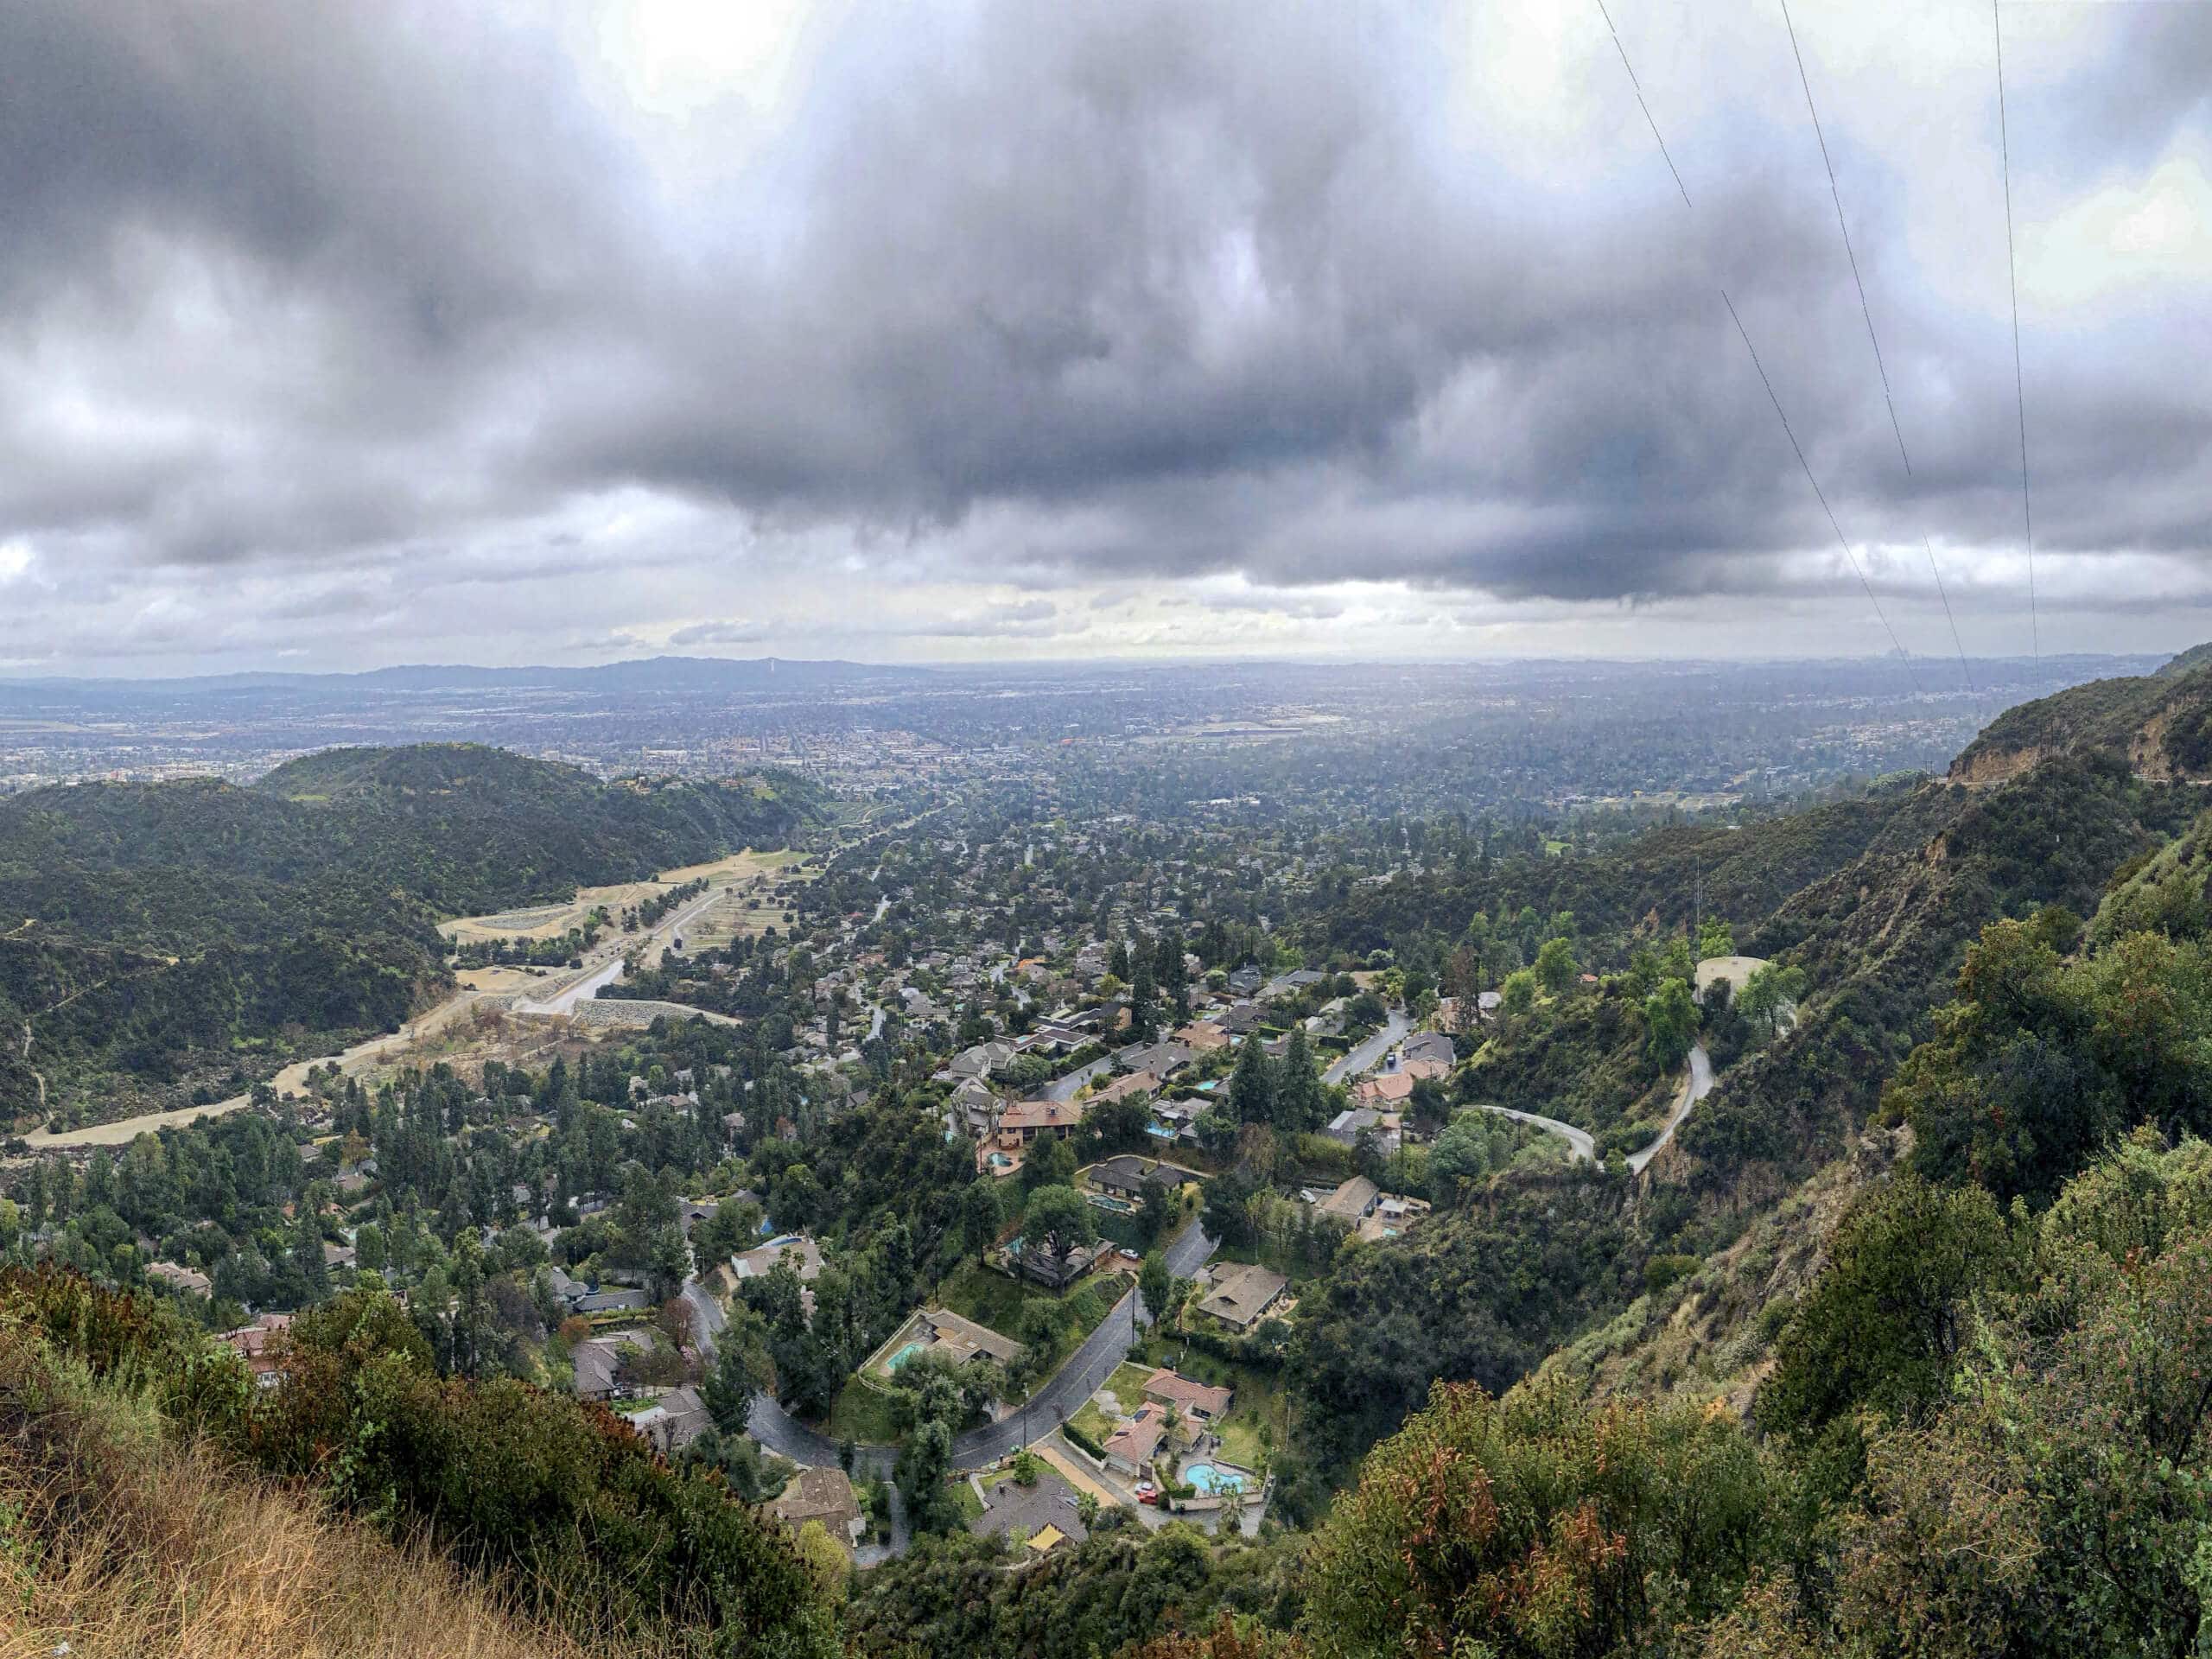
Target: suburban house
1175,1119
1139,1085
1202,1036
804,1254
1162,1060
1392,1088
964,1339
1042,1267
1423,1066
1023,1122
596,1361
254,1343
1247,981
1126,1176
1427,1046
1350,1202
1346,1127
1393,1213
976,1104
178,1278
1241,1295
1137,1442
1373,1213
672,1421
1199,1402
981,1060
823,1495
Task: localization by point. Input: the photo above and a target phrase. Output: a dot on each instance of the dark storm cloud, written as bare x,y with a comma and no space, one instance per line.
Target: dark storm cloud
1038,295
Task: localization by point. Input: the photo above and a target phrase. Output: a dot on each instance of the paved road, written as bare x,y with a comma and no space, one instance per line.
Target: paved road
565,1000
1370,1051
1065,1087
1695,1087
1697,1083
1578,1139
1084,1372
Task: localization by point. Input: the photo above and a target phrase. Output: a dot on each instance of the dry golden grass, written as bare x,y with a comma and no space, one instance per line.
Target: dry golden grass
128,1543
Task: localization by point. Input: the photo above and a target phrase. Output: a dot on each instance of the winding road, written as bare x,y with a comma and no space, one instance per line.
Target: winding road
1697,1083
1084,1374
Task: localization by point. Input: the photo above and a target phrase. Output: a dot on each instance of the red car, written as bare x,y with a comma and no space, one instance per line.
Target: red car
1147,1493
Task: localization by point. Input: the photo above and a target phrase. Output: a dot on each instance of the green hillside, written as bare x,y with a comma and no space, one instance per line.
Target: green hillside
167,944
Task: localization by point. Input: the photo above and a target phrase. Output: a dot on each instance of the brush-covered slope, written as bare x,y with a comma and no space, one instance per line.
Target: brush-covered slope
2161,724
164,944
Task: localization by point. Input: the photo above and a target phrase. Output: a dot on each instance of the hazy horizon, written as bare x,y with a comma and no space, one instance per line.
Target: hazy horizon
975,331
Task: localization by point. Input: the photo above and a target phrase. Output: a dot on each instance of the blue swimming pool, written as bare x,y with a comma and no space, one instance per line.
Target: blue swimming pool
904,1355
1209,1480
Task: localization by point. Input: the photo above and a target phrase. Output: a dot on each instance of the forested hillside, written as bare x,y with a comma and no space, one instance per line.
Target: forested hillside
164,944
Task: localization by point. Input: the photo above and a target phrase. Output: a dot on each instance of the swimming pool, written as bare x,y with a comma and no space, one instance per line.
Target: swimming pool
904,1355
1209,1480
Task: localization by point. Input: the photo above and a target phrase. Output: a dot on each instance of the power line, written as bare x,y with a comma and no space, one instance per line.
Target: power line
1843,225
1836,195
1820,494
1856,568
1639,88
2019,382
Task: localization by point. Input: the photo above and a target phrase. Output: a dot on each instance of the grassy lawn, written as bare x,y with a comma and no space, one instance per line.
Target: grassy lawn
1092,1421
992,1299
977,1292
1260,1400
971,1507
1127,1383
863,1415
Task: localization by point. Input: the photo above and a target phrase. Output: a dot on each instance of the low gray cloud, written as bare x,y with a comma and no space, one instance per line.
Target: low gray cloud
346,305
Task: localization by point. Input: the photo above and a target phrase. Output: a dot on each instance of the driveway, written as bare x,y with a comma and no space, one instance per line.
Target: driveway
1370,1051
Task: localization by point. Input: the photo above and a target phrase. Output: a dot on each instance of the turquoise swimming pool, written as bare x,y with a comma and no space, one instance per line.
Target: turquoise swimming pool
1209,1480
904,1355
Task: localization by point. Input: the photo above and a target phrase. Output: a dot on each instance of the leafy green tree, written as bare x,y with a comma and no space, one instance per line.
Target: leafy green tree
1670,1024
1518,995
1059,1222
1770,993
1252,1085
1302,1104
1556,967
1715,938
1885,1323
1050,1162
1156,1284
1589,1529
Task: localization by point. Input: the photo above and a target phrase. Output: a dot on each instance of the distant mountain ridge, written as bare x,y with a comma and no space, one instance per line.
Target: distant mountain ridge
640,674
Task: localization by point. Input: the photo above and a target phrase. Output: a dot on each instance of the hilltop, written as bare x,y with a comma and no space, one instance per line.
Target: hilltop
2160,722
169,943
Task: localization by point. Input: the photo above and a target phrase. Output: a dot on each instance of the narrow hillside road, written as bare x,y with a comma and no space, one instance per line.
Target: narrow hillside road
1697,1083
1578,1140
1082,1374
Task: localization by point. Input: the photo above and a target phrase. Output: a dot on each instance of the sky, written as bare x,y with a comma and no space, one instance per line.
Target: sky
341,335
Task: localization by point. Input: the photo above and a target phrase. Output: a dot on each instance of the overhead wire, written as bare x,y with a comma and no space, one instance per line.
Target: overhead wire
2019,381
1867,310
1849,552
